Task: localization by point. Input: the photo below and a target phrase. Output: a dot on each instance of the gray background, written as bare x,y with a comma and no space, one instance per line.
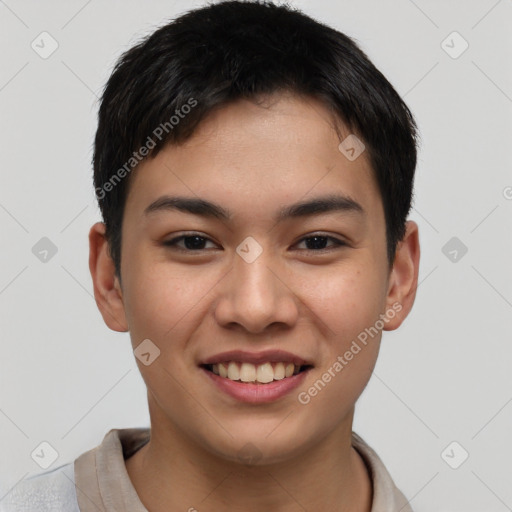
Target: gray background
444,376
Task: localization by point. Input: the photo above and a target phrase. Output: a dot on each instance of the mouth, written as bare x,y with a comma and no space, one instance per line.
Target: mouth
256,377
262,373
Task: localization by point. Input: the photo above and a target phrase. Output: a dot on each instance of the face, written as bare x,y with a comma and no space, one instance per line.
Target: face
251,274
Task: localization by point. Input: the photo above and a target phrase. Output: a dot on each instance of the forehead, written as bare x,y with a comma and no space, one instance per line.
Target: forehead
255,154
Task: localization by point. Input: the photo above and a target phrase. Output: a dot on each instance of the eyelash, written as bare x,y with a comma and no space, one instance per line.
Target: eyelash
173,243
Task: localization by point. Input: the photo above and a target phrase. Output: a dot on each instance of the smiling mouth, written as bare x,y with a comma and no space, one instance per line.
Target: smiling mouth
264,373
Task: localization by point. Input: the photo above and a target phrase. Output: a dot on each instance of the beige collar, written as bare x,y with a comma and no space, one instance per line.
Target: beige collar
103,484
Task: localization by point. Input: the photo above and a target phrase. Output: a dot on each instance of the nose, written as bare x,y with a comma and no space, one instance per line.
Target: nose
257,296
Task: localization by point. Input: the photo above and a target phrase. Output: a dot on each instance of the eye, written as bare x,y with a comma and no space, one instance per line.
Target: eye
195,242
316,243
191,242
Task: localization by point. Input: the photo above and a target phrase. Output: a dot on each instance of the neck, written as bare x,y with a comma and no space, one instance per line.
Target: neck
172,472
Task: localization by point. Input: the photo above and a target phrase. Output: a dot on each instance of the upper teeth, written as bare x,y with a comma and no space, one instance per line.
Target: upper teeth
248,372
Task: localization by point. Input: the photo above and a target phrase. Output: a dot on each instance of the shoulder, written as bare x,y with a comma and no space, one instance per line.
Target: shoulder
51,491
386,495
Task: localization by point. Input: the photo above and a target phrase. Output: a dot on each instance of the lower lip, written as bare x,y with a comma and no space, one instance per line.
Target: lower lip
257,393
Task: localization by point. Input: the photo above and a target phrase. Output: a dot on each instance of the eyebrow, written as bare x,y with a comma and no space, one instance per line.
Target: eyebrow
207,209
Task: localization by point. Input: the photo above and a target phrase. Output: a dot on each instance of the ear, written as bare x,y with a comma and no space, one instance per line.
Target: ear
107,289
403,279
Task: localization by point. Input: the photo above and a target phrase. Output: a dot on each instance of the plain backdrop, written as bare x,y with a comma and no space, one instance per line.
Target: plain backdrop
442,388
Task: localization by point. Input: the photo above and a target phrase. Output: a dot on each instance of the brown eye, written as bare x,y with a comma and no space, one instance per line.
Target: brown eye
317,243
192,242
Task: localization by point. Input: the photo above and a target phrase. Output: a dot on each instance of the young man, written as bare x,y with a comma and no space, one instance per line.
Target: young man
254,171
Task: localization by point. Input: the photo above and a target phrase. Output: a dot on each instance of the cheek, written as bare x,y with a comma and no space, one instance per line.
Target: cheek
166,303
346,300
158,299
348,303
349,306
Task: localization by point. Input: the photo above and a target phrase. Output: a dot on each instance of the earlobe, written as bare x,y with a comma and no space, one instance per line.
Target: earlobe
403,279
107,290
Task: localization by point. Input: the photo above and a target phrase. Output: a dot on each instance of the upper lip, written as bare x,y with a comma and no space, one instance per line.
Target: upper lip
270,356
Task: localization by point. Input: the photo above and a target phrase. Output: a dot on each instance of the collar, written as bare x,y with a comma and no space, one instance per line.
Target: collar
103,484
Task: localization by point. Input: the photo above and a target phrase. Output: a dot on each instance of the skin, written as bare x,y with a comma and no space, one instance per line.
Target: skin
253,160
